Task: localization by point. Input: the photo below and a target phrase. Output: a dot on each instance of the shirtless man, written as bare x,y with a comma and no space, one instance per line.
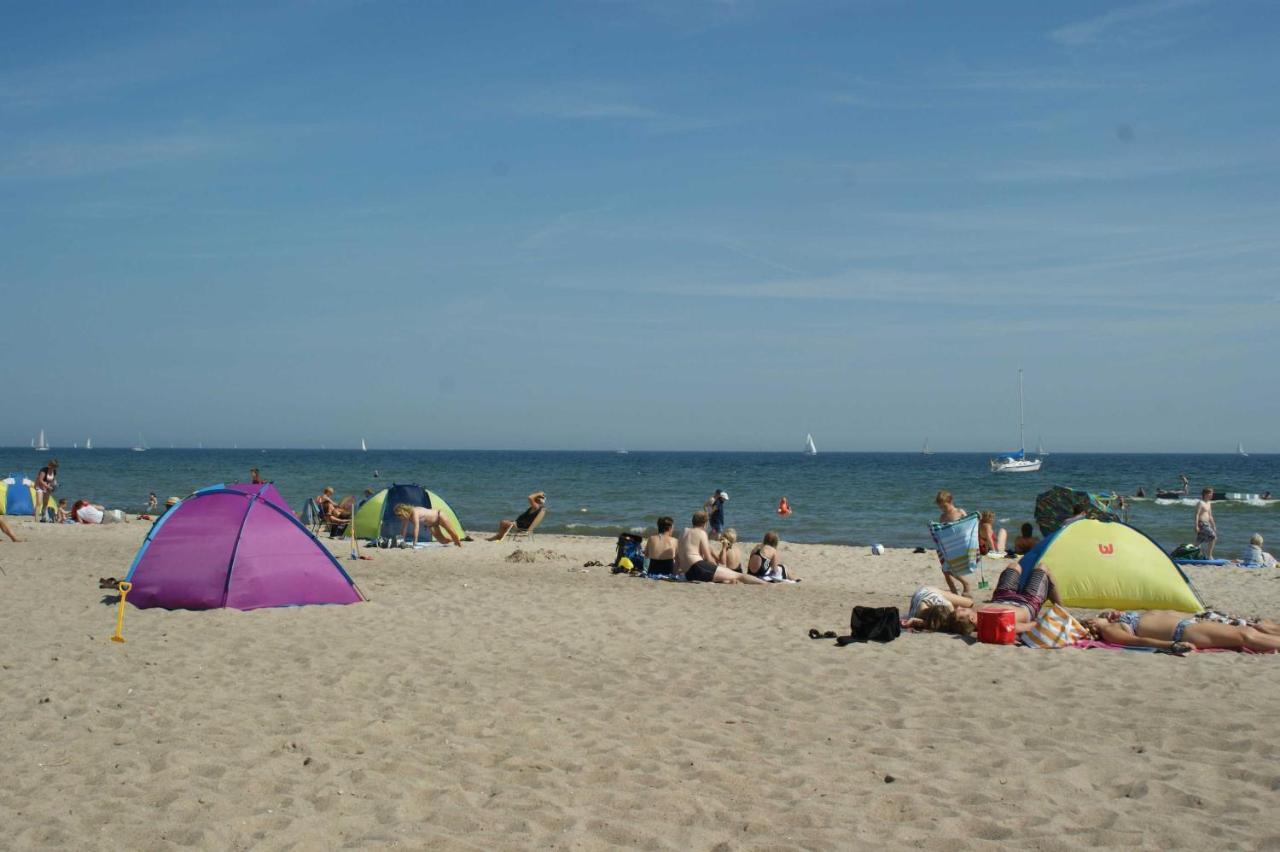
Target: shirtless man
697,563
1206,527
420,517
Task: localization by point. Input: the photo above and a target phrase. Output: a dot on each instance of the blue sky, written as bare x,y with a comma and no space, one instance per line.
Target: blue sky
642,223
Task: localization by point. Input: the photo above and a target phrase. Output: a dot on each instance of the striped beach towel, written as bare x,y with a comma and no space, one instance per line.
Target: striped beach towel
957,544
1055,628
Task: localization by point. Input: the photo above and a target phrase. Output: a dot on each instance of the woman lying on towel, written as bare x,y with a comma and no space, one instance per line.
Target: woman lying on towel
1178,631
933,609
1014,594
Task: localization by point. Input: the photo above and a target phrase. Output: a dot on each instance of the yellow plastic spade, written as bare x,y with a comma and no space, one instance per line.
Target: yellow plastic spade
124,590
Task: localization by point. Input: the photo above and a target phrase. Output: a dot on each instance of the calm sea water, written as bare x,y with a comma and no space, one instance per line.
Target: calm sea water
847,498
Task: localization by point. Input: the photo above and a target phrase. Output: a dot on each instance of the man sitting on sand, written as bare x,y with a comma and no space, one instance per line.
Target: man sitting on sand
1023,543
421,516
696,562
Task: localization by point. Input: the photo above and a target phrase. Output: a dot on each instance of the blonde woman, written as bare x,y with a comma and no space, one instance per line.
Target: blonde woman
764,562
988,540
729,556
421,516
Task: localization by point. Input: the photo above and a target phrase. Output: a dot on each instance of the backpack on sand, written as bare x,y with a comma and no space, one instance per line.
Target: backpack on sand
631,546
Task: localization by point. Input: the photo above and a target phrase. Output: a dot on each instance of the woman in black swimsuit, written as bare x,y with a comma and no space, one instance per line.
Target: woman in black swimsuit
660,549
537,503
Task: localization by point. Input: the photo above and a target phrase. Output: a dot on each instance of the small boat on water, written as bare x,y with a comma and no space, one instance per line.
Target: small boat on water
810,449
363,447
1017,462
88,443
925,451
40,445
1240,451
141,446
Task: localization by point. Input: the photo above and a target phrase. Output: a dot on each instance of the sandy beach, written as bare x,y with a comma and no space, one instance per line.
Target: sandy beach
479,703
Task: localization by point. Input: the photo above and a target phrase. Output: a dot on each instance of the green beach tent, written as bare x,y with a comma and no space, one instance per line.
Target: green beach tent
375,518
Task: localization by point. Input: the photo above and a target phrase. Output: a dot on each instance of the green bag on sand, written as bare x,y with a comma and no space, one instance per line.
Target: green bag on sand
1186,551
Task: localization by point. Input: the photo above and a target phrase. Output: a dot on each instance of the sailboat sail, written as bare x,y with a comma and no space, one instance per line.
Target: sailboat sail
809,447
88,443
41,445
363,447
925,451
1240,450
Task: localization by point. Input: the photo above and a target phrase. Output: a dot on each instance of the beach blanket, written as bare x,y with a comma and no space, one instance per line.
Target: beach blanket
1054,628
957,544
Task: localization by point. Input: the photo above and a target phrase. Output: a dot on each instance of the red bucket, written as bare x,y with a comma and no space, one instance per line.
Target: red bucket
997,626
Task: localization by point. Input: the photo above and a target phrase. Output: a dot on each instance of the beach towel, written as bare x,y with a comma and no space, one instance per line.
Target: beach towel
957,543
1055,628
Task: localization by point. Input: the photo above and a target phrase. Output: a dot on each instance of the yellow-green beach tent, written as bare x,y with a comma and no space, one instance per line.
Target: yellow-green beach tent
1111,565
374,518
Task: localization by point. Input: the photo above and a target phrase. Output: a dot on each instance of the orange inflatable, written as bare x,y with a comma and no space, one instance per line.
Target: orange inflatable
784,508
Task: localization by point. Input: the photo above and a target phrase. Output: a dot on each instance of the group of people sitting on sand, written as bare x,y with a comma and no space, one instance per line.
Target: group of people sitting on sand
692,556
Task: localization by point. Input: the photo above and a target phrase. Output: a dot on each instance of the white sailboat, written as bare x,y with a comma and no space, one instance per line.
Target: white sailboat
41,446
809,448
363,447
1240,450
1017,462
1040,451
141,446
925,451
88,443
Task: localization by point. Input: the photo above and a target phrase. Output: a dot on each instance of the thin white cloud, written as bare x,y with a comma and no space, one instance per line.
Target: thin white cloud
1117,23
69,158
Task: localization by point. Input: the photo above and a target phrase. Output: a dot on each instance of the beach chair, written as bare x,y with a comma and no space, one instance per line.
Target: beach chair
957,544
312,518
514,533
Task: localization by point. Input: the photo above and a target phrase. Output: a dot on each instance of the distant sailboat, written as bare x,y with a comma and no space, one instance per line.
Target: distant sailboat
809,448
74,445
141,446
88,443
621,452
1240,451
1017,462
363,447
1040,450
41,446
925,451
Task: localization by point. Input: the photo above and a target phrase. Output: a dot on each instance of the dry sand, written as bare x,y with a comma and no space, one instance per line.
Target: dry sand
475,703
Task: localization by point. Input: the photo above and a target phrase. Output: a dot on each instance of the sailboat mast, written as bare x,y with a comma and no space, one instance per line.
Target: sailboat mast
1022,441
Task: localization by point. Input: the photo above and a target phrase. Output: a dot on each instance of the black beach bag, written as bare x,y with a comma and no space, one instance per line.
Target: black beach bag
873,624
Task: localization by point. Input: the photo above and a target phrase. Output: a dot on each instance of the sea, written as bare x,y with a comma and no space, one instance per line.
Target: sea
840,498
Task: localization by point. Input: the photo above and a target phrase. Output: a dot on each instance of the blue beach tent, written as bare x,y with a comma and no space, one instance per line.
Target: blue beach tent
17,495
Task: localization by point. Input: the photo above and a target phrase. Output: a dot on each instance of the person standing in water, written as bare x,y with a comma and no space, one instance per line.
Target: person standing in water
714,507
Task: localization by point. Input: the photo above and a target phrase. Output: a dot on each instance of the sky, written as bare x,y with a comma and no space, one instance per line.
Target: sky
651,224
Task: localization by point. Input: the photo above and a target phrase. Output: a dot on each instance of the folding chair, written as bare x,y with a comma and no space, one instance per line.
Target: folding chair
514,533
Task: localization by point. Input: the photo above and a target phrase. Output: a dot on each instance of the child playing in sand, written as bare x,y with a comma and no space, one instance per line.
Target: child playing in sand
1255,556
1206,526
948,512
60,514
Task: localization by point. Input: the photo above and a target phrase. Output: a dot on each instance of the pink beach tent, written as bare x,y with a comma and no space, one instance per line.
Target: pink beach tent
236,546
